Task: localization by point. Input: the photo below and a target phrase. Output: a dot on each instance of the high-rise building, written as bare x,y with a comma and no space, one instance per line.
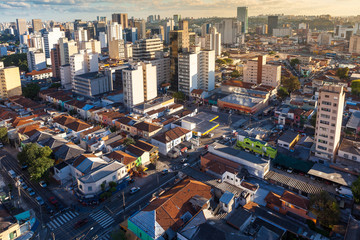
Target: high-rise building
354,46
230,30
117,49
33,40
162,65
21,26
145,48
213,41
55,61
65,73
67,48
139,83
37,25
258,72
92,84
100,27
324,39
205,29
121,18
131,34
242,16
36,60
177,19
141,28
328,121
83,62
51,38
103,40
273,22
81,35
196,71
93,45
10,81
114,31
168,27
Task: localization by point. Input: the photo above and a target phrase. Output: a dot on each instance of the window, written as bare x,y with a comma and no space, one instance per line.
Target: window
354,158
327,96
324,116
335,104
324,122
113,177
90,189
80,186
346,156
326,103
227,177
322,148
322,141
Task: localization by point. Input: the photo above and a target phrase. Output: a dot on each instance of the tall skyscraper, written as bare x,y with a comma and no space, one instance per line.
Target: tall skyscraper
145,49
177,19
354,46
67,48
9,81
213,41
51,38
37,25
121,18
141,28
21,28
55,61
168,27
230,30
117,49
242,16
273,22
328,121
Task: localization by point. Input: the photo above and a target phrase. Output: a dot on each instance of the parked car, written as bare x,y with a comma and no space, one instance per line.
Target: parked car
43,184
31,192
134,190
39,200
24,166
24,186
53,200
185,165
290,170
81,223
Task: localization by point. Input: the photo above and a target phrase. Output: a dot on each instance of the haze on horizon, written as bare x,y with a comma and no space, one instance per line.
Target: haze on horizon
68,10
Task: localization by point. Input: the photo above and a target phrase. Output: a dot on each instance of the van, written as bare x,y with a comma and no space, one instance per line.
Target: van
12,174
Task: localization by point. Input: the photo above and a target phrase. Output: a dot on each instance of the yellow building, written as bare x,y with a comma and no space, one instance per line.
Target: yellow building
10,82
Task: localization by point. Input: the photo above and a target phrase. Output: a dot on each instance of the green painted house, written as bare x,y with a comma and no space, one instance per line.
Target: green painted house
256,146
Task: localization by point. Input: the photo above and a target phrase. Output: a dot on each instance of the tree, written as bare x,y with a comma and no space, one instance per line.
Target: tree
282,93
355,188
37,158
313,120
31,90
355,87
226,54
220,61
18,60
228,61
235,74
129,141
325,208
342,73
291,83
4,135
55,85
294,61
179,96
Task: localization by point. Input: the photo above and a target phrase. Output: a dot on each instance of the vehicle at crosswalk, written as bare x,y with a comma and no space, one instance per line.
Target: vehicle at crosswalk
53,200
81,223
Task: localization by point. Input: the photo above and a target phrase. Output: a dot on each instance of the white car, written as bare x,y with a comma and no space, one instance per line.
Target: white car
43,184
134,190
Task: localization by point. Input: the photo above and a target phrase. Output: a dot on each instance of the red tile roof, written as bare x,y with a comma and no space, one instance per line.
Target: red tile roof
33,73
273,198
171,135
122,157
295,199
147,127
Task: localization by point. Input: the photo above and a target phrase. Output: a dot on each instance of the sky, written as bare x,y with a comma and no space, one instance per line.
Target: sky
68,10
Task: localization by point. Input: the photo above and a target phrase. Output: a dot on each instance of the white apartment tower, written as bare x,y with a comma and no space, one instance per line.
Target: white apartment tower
81,35
328,121
196,70
114,31
213,41
83,62
67,49
93,45
354,46
103,40
36,60
51,38
256,71
139,84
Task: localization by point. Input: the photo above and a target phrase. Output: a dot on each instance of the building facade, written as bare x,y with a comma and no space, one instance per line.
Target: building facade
10,82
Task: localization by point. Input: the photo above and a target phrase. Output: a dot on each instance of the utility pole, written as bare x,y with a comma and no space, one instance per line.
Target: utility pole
53,235
123,195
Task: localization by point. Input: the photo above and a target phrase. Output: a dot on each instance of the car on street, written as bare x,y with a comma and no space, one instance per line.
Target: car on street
39,200
24,186
184,160
81,223
164,171
24,166
49,209
31,192
185,165
134,190
43,184
53,200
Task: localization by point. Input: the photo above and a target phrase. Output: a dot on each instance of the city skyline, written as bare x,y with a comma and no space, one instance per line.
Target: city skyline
66,10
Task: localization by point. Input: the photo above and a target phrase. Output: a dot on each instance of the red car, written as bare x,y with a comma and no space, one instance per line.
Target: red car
81,223
53,200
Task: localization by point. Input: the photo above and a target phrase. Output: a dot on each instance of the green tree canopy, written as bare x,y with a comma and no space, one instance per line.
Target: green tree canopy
179,96
355,188
355,87
342,73
291,83
220,61
128,141
4,135
282,93
37,158
55,85
228,60
31,90
294,61
325,208
18,60
235,74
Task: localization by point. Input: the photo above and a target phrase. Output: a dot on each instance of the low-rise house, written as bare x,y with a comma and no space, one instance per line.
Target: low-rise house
288,139
198,94
59,98
72,126
290,204
227,201
109,117
349,150
353,124
129,160
146,130
53,142
141,154
151,149
170,139
126,124
92,136
67,151
164,216
249,144
39,75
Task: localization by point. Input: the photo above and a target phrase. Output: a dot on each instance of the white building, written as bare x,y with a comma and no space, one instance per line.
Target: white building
65,76
354,46
168,140
139,83
213,41
196,70
93,45
328,121
114,31
81,35
349,150
92,84
162,65
83,62
325,39
36,60
103,40
51,38
282,32
67,49
145,49
262,73
230,30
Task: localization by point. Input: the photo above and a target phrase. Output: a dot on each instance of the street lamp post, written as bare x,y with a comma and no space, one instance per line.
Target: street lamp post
88,232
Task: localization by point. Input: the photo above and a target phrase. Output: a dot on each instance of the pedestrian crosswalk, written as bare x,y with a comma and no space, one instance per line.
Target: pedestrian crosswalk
60,220
105,236
102,218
